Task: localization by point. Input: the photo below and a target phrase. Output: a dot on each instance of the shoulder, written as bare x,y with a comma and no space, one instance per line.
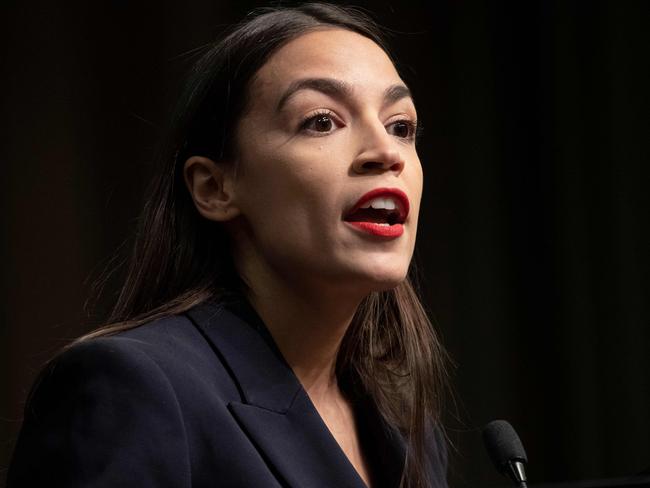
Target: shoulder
147,350
97,408
166,361
107,407
104,371
168,354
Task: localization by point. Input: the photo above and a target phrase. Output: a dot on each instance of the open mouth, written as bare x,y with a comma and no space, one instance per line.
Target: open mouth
380,212
375,215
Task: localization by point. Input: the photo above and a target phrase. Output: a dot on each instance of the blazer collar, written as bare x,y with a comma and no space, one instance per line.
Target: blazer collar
238,334
277,413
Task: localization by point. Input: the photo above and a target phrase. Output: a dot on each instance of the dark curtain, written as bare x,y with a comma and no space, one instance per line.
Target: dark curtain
533,240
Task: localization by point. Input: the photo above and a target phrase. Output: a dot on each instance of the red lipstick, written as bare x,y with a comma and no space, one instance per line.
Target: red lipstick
394,230
392,226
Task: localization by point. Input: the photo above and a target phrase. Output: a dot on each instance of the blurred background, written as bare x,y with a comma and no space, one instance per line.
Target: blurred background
533,239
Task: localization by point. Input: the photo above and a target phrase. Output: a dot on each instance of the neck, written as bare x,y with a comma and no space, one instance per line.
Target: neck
307,323
308,329
306,316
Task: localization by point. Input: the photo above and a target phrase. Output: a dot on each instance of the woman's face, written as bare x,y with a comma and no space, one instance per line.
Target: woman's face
328,120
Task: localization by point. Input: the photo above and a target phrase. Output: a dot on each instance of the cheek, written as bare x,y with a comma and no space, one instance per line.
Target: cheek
289,189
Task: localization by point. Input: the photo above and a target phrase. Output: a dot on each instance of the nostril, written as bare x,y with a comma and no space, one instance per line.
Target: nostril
372,165
379,161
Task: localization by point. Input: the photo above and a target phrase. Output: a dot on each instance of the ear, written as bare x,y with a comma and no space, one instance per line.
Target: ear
211,186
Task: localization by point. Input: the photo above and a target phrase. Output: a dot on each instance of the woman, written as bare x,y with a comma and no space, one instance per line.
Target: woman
268,333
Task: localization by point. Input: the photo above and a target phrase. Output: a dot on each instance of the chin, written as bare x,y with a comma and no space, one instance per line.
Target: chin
383,279
365,275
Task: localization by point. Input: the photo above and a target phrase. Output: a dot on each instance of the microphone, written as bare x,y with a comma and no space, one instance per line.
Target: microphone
506,451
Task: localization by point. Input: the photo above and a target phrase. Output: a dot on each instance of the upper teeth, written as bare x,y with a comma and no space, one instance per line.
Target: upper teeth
387,203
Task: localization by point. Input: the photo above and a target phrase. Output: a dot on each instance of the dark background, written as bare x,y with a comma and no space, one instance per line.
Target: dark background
533,237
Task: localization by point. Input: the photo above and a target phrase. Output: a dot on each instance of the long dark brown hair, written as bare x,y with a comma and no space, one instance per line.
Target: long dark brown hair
181,259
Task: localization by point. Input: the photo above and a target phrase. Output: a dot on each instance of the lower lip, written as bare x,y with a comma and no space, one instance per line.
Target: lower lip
394,230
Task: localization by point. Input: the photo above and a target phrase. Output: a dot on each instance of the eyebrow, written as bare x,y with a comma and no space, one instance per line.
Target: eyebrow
339,89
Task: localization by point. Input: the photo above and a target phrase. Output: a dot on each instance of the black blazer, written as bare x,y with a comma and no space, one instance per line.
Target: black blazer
202,399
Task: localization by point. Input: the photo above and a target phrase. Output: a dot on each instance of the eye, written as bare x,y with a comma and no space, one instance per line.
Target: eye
321,122
405,129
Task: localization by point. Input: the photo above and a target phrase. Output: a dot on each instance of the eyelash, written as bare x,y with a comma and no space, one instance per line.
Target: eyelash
414,130
310,118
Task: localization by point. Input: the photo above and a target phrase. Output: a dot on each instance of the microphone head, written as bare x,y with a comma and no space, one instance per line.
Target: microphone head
503,445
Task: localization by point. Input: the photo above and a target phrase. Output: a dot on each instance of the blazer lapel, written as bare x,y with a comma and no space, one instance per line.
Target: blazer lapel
275,411
298,444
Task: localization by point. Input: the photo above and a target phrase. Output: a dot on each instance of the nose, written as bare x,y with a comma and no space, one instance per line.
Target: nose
379,152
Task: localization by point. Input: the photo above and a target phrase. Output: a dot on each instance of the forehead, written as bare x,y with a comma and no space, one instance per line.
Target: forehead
332,53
